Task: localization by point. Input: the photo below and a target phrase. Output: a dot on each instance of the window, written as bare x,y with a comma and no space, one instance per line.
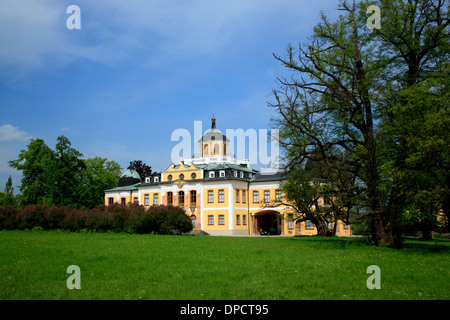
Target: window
194,220
244,219
212,174
169,197
155,199
136,200
146,199
110,200
181,176
309,225
221,219
250,175
169,177
181,198
255,196
266,196
210,220
210,196
241,174
193,194
244,198
221,196
123,201
237,196
147,180
156,179
238,219
290,224
221,173
235,173
205,150
193,176
278,195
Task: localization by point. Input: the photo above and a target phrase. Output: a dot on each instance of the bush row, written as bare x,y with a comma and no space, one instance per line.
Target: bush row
118,218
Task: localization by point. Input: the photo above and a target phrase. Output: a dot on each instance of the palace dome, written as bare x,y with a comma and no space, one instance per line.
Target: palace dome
129,177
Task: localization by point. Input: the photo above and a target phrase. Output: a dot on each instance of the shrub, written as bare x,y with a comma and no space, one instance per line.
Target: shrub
9,218
146,224
54,217
75,220
33,216
170,220
98,220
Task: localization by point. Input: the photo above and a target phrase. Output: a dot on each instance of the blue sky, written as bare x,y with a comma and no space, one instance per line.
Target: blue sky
138,70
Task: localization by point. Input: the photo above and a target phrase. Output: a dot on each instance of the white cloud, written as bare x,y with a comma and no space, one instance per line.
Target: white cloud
9,133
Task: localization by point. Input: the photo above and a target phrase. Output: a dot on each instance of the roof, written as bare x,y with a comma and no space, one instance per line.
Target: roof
213,134
224,166
125,188
268,177
129,177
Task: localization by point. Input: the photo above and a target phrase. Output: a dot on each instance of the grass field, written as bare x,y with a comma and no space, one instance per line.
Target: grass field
33,265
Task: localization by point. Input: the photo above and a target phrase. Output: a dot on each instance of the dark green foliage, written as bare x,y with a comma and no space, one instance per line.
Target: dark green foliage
170,220
117,218
9,218
61,177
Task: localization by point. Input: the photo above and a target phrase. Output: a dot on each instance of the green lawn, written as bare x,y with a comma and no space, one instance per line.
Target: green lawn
128,266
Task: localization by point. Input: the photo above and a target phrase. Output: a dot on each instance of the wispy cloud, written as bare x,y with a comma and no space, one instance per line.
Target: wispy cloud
154,34
10,133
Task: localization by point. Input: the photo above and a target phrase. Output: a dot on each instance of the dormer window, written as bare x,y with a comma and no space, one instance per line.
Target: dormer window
156,179
242,175
222,173
147,180
235,174
212,174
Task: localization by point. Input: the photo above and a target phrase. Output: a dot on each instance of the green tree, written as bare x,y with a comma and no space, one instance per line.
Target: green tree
348,95
34,163
7,198
412,104
99,175
65,174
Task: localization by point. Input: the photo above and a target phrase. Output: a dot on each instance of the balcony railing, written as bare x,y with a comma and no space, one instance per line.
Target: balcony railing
230,159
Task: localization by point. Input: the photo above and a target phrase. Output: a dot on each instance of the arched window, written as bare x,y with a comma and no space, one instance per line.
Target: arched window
205,150
216,149
194,220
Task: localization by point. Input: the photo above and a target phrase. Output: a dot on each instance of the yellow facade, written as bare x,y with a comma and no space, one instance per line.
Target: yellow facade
222,196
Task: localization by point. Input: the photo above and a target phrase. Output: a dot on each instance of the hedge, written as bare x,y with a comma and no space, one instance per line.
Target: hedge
118,218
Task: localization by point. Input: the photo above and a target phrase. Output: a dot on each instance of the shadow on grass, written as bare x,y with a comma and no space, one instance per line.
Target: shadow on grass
409,243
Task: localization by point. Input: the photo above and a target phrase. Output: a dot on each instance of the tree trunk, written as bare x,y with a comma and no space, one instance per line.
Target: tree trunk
322,226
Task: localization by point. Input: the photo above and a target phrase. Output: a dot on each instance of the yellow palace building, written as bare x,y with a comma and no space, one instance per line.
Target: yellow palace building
221,194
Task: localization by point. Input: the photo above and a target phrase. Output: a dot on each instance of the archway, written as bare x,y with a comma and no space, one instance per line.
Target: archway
267,219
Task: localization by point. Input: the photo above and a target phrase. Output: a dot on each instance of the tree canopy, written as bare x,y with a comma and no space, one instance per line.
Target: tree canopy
369,107
61,177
